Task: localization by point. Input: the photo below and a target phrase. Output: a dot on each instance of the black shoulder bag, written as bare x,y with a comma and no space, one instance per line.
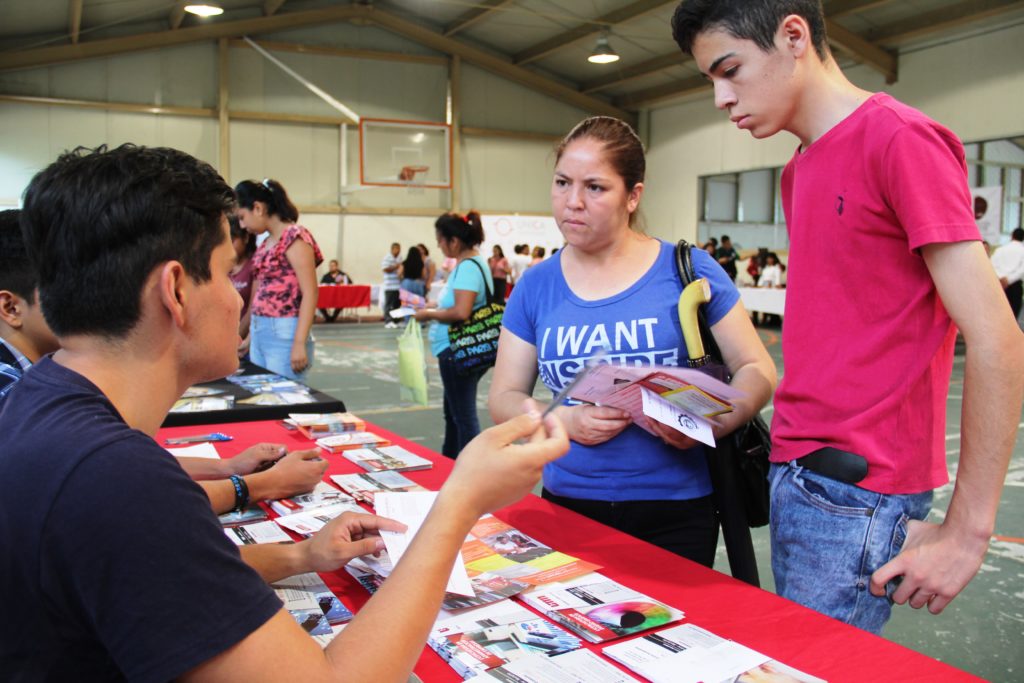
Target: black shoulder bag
474,341
739,464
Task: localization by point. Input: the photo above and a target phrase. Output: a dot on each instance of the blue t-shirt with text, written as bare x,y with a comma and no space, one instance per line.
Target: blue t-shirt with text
640,327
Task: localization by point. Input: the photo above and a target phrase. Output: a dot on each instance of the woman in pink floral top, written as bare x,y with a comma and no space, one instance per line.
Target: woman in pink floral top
284,301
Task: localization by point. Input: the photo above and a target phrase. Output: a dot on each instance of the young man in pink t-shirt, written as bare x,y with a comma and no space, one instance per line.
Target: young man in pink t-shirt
878,190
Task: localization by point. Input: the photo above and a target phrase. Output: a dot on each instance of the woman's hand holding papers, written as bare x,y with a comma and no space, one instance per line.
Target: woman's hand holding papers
673,437
591,425
345,537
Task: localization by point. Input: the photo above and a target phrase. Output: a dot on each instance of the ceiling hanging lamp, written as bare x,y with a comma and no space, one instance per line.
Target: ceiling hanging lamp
603,52
204,10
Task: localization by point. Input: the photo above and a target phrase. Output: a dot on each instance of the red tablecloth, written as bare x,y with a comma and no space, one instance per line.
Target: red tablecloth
789,633
343,296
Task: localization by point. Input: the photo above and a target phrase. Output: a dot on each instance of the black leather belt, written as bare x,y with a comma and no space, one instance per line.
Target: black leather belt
835,464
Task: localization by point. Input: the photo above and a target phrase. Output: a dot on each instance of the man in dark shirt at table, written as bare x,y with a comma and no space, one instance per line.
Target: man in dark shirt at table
115,567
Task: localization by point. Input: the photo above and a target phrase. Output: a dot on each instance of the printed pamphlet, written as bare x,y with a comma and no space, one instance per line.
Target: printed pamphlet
253,513
378,459
329,604
339,443
698,396
579,666
599,609
493,635
317,425
411,509
365,485
277,398
495,547
689,654
322,495
258,532
202,404
309,522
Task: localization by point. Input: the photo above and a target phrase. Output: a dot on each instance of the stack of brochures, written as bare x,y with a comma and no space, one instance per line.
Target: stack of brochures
346,442
383,458
364,485
689,654
322,495
317,425
311,603
487,637
599,609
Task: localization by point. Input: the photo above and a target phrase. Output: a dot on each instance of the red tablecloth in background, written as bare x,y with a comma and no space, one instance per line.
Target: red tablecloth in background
760,620
343,296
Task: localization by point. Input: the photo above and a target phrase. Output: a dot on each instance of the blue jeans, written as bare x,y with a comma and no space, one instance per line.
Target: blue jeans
414,286
461,423
270,345
829,537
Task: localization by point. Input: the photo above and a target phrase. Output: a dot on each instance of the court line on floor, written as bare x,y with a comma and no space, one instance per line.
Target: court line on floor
1007,539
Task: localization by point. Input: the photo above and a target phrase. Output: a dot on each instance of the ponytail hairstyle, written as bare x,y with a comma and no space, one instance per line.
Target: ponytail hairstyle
468,229
271,193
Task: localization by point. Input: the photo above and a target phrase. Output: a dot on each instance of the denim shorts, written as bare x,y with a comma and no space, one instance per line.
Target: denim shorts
829,537
270,345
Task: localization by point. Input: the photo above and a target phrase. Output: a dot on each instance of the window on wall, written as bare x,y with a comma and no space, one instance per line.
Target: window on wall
998,165
745,206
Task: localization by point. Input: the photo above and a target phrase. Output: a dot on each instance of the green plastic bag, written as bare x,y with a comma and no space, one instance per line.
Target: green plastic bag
412,366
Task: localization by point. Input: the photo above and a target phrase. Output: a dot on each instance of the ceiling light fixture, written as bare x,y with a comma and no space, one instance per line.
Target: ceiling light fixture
204,10
603,52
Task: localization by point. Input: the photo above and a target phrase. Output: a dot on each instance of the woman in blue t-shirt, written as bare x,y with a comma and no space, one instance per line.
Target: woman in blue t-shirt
458,237
614,290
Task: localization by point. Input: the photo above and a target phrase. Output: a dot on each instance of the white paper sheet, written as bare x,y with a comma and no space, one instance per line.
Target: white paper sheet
199,450
668,413
411,509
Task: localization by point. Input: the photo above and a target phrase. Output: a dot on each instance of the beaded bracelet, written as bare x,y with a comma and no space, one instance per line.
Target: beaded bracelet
241,492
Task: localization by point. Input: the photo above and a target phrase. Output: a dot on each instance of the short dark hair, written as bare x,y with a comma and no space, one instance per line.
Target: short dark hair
17,274
240,233
468,229
98,221
1017,234
271,193
755,20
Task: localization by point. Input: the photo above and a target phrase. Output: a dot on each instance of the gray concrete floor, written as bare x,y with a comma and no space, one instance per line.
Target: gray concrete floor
982,631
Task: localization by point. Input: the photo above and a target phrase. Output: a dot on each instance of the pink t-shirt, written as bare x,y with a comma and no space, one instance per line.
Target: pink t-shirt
243,283
277,292
867,343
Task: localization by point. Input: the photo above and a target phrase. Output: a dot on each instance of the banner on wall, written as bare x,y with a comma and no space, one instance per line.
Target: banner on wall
508,231
988,212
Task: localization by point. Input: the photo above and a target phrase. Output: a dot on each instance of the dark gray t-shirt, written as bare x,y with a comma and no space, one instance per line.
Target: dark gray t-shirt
113,565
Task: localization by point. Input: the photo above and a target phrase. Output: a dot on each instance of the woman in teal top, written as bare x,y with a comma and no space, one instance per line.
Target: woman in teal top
458,237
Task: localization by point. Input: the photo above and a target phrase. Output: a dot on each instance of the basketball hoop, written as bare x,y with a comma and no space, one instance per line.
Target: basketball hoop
408,173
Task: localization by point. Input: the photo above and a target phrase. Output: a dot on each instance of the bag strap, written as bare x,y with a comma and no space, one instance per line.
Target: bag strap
487,288
684,265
